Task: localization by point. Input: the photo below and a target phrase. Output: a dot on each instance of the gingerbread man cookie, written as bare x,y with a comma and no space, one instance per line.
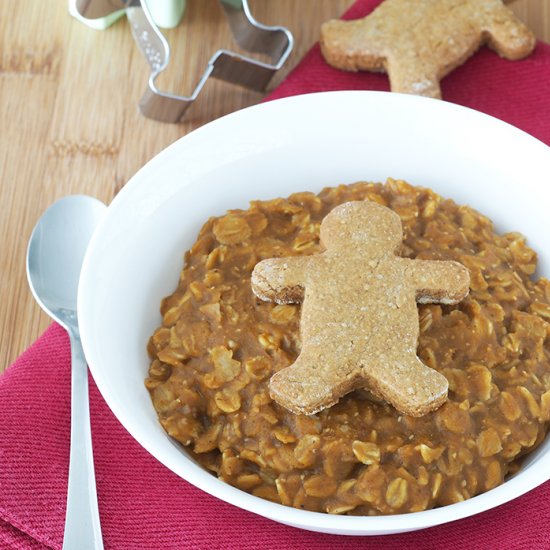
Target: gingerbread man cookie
418,42
359,325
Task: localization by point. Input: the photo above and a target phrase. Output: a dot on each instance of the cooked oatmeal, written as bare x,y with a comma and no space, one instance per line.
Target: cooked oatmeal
218,346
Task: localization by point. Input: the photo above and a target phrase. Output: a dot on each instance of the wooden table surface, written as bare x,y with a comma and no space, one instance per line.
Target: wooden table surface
70,124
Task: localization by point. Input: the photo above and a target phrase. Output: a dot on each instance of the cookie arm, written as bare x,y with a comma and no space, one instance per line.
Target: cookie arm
508,36
444,282
280,280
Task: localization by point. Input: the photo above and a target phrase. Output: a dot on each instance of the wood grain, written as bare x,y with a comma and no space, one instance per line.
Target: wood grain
68,102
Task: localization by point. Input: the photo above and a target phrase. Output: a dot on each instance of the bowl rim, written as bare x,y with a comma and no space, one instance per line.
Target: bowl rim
514,487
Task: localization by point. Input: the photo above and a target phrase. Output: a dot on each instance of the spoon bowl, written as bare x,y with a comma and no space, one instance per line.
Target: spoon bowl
55,254
56,250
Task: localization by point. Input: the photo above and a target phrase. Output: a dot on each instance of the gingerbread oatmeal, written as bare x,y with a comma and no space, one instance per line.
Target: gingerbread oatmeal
218,346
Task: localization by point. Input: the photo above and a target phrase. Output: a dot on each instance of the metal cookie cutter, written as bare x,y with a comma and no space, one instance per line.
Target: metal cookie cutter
275,42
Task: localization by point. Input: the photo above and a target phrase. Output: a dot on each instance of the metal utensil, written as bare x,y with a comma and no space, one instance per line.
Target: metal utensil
275,42
54,258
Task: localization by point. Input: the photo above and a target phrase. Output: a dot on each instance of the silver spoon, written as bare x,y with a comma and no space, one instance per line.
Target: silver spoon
54,258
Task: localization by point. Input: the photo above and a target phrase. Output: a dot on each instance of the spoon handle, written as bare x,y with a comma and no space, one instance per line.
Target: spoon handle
82,527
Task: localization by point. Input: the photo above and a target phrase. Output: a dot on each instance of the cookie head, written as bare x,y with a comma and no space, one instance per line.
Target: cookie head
361,224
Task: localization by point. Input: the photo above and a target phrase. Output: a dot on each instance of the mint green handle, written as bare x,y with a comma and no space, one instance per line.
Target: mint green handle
166,14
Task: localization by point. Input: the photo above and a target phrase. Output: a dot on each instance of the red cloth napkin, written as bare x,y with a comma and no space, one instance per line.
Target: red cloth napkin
144,505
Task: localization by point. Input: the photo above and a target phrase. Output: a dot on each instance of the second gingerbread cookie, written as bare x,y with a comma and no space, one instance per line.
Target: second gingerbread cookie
418,42
359,325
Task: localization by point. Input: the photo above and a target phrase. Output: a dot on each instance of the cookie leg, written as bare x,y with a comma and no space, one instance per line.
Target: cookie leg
413,77
508,36
408,384
308,386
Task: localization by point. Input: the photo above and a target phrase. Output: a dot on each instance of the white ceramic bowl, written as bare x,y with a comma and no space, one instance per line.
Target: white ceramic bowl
270,150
